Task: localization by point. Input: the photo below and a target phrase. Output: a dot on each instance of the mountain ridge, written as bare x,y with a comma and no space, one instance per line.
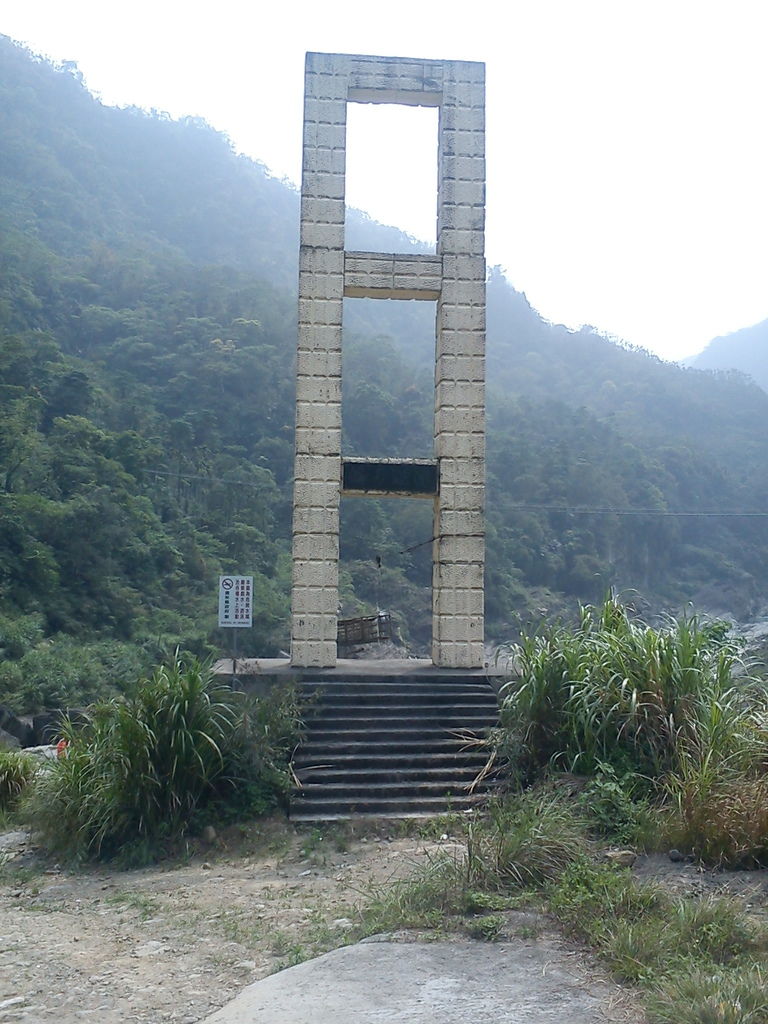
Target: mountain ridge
744,350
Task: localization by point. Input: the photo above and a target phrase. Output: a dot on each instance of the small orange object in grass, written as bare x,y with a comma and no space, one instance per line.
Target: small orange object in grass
61,748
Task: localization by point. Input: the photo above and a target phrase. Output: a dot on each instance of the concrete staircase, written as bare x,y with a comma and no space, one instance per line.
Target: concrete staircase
387,746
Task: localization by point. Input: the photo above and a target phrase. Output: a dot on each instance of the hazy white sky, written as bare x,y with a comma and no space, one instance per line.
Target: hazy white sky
627,151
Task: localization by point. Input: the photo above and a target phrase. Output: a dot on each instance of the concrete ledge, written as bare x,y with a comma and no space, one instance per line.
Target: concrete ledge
348,668
260,675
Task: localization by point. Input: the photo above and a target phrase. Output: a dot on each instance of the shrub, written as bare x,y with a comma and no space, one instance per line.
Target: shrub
16,772
19,634
617,692
143,768
616,807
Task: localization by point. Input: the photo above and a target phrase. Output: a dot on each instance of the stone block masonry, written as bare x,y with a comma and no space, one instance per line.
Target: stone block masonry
453,278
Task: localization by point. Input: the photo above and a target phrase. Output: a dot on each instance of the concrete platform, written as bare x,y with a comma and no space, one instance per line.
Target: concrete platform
430,983
259,675
348,668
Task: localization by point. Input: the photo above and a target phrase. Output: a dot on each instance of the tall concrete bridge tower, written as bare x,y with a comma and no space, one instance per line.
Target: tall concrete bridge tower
454,279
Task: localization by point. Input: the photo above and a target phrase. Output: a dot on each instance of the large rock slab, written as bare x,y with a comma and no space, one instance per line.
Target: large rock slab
429,983
16,727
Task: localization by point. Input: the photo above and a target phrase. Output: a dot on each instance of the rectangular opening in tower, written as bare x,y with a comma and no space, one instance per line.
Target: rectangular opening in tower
391,177
388,391
386,564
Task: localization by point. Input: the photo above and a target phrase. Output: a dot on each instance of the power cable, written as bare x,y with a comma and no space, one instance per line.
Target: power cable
577,510
585,510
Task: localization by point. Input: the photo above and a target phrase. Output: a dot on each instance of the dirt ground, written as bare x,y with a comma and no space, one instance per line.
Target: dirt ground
172,943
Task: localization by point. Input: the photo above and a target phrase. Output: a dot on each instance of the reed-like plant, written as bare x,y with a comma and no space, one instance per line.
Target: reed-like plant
718,787
614,690
660,704
143,768
721,816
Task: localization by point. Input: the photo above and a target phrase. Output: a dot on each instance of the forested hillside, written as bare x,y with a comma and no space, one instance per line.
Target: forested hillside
147,334
745,350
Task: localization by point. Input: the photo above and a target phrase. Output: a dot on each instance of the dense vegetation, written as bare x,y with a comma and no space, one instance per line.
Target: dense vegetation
147,331
182,750
657,715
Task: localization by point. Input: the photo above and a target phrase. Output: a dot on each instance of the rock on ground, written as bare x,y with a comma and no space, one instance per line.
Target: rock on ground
427,983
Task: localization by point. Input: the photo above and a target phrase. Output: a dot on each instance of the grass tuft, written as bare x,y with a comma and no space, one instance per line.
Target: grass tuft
525,841
721,816
724,997
17,771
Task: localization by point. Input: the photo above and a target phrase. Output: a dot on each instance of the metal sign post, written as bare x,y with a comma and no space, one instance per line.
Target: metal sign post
235,609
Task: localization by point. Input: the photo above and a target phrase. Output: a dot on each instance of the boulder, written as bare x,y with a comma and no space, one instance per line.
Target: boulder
15,726
8,741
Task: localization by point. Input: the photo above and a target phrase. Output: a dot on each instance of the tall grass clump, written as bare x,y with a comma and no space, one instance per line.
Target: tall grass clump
657,712
143,768
522,842
719,811
718,788
257,776
16,772
614,690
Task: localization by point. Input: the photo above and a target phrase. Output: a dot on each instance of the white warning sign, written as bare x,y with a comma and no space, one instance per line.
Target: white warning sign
235,594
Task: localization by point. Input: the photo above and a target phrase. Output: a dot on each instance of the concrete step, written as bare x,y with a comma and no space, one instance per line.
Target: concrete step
413,743
470,719
376,679
396,806
374,692
404,732
397,707
348,760
353,791
333,774
341,743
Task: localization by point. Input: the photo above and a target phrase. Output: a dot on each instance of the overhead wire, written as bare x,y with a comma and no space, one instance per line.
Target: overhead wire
523,507
609,510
